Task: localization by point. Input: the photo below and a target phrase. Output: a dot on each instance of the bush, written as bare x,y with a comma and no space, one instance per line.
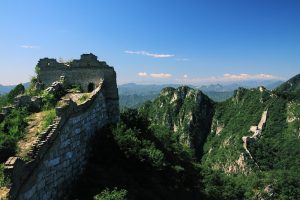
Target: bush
19,89
49,100
3,100
11,130
114,194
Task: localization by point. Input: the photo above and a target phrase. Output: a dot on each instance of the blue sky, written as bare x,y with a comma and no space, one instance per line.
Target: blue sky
155,41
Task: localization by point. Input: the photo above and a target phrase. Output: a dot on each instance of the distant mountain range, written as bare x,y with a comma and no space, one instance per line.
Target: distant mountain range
141,89
132,95
7,88
133,88
269,84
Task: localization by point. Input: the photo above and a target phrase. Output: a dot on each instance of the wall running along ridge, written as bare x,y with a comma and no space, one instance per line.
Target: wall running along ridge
60,154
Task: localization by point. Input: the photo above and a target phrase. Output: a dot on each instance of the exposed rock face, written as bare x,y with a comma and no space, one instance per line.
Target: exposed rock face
186,111
55,88
34,104
238,166
22,100
219,128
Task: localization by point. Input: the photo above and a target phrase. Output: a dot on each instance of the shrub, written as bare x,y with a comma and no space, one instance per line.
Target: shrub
49,100
114,194
11,130
19,89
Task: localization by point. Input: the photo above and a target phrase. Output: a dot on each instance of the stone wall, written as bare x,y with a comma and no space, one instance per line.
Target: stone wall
61,152
87,70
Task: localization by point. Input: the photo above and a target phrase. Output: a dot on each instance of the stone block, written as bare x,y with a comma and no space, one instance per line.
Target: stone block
30,193
53,162
77,131
69,155
65,143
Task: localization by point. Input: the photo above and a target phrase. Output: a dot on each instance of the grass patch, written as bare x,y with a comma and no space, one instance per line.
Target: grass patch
83,98
37,123
61,103
49,116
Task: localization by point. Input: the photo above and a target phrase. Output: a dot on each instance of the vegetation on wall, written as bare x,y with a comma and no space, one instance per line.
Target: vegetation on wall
12,128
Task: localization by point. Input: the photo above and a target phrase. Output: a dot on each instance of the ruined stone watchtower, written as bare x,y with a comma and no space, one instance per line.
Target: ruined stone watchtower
60,153
87,72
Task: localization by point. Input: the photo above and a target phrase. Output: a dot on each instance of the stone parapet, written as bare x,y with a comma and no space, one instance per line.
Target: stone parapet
60,153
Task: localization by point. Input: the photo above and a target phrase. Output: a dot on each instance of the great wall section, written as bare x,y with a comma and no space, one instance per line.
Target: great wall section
60,153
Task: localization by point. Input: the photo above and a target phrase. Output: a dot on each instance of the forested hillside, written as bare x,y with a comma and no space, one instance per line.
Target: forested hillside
185,146
184,111
262,166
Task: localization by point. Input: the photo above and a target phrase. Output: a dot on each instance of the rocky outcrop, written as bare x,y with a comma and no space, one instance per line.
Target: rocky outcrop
238,166
186,111
34,104
56,89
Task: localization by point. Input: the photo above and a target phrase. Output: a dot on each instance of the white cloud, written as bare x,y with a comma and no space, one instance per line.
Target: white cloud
153,55
182,59
161,75
185,76
143,74
155,75
29,46
227,78
248,77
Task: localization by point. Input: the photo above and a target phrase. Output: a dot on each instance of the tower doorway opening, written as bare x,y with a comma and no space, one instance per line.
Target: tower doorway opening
91,87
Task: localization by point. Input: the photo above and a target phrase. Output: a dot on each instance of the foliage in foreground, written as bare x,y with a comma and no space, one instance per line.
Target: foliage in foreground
114,194
148,162
12,129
